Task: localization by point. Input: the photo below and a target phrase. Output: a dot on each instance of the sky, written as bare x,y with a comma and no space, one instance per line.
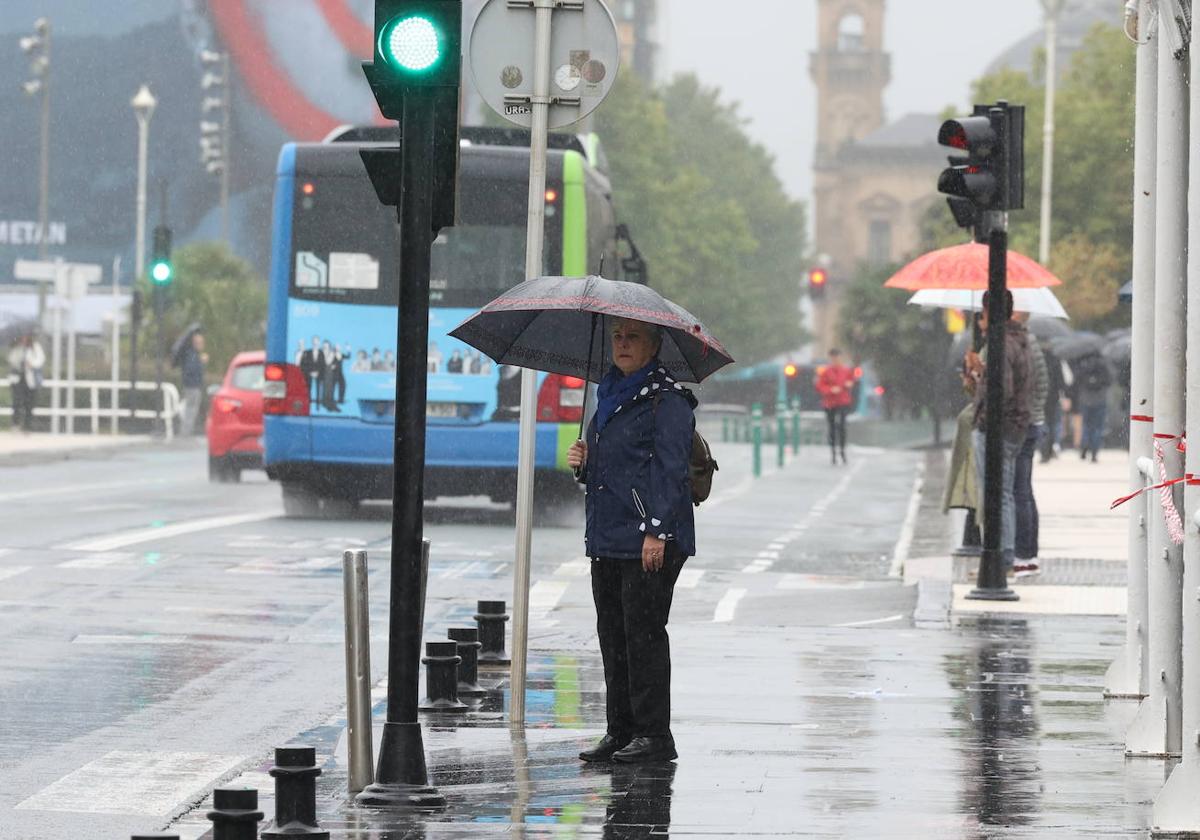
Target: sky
762,61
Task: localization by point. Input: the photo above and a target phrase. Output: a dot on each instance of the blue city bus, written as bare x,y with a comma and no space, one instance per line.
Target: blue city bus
331,325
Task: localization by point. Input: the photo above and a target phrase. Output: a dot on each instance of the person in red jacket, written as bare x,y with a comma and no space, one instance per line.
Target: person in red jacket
835,384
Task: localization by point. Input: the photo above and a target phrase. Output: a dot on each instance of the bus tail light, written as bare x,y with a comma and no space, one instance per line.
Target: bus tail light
285,391
560,399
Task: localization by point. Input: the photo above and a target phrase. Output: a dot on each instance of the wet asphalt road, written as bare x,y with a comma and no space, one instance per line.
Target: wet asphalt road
159,633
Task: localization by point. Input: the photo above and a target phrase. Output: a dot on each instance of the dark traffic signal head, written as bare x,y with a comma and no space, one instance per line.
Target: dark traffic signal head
418,44
989,174
162,270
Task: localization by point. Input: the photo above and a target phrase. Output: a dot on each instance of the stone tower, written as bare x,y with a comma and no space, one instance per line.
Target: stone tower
850,70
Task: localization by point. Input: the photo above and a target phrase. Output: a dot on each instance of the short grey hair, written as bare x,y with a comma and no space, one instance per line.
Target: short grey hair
653,330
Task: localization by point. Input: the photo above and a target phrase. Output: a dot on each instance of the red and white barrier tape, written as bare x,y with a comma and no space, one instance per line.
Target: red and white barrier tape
1166,494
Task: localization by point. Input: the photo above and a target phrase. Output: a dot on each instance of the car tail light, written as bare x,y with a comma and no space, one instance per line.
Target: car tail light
560,399
226,405
285,390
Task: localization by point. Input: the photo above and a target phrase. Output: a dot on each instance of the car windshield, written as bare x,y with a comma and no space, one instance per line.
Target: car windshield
248,377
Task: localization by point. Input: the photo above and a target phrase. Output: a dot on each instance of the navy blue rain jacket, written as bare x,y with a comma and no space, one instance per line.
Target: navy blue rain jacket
637,473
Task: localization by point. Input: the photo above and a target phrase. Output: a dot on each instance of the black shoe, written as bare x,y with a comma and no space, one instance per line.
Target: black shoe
604,750
844,456
833,457
661,748
1083,454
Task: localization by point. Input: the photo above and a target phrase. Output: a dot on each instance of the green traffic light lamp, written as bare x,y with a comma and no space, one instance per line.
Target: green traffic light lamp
411,43
161,272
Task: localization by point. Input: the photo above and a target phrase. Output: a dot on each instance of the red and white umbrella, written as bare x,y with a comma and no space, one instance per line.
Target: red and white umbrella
966,267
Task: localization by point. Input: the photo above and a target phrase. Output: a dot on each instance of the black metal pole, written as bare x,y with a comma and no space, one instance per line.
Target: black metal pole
992,582
401,776
160,306
135,320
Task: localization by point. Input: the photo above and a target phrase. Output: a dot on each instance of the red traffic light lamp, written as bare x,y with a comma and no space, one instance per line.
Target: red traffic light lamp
790,370
818,279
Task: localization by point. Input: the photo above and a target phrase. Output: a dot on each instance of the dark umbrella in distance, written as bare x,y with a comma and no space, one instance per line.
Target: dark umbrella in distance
16,329
184,340
1048,329
1076,346
551,324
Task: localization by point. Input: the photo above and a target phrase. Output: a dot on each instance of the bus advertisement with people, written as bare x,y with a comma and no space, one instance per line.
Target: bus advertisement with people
331,328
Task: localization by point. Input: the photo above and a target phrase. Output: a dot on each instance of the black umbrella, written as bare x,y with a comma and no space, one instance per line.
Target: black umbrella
551,324
1048,329
17,328
184,340
1077,345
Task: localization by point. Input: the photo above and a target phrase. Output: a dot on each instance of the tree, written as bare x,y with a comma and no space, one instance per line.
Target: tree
217,290
908,345
719,233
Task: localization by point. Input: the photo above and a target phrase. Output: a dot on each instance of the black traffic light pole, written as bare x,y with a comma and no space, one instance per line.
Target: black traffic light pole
992,582
401,779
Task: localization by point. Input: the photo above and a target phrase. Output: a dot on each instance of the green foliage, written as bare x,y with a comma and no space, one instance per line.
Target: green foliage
908,345
219,291
705,206
1092,213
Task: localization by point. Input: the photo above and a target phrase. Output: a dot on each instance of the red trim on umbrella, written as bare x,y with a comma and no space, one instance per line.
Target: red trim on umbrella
966,267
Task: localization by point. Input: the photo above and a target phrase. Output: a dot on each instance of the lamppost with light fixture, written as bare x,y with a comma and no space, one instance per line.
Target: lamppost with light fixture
143,104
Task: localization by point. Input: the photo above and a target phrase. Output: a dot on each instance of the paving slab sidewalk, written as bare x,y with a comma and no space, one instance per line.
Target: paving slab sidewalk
992,726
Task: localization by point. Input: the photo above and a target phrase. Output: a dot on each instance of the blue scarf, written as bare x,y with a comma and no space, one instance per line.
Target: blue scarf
616,388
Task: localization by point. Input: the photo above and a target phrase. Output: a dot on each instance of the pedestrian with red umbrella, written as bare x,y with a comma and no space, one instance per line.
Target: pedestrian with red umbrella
835,383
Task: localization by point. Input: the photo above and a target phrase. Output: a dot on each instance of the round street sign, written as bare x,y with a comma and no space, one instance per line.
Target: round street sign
584,56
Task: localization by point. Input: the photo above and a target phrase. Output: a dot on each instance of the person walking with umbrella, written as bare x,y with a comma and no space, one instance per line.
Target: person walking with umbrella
639,532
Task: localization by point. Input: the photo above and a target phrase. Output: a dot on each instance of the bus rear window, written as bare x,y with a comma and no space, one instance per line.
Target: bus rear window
344,244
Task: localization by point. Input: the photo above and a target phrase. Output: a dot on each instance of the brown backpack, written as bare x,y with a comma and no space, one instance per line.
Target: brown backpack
701,466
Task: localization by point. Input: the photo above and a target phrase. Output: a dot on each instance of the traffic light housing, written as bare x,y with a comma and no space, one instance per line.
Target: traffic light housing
162,270
989,174
418,44
818,280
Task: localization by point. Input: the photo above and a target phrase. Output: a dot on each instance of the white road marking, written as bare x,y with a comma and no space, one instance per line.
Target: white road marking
151,783
904,543
579,567
274,565
98,561
459,570
109,508
128,639
768,555
757,567
870,621
4,551
727,606
778,545
689,578
75,488
12,571
545,595
145,535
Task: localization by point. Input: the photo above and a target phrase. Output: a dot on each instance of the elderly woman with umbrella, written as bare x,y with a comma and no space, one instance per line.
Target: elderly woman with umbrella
635,461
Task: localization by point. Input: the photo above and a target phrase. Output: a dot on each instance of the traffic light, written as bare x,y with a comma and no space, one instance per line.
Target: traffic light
418,44
818,279
990,174
162,270
790,370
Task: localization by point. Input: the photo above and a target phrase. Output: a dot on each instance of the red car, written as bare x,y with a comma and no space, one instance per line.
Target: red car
235,419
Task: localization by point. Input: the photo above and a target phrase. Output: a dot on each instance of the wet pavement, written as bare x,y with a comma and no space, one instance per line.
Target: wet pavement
993,729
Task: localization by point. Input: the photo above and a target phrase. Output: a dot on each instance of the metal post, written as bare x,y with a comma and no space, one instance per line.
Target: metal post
70,296
1177,808
1052,9
226,111
401,776
44,163
756,413
143,104
796,426
160,306
535,235
116,342
780,432
135,326
992,581
60,271
1127,676
1156,731
358,669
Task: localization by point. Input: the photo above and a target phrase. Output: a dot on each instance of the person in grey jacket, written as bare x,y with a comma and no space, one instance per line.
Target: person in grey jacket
1026,541
640,530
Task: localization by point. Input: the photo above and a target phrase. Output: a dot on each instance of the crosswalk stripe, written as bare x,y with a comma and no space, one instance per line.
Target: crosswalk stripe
727,606
13,571
545,594
579,567
689,578
144,535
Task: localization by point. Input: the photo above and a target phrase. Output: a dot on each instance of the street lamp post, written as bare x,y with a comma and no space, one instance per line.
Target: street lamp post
1053,9
143,104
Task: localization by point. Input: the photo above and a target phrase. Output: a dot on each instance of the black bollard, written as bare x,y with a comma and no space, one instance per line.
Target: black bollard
491,618
235,814
441,678
467,639
295,773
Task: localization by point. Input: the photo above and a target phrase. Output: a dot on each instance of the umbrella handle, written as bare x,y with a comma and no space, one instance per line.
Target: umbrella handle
587,376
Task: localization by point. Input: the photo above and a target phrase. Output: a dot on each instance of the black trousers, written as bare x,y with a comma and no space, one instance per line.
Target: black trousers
632,608
23,400
837,427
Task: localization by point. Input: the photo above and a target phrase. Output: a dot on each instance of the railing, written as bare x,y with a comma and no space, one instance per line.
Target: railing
103,404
